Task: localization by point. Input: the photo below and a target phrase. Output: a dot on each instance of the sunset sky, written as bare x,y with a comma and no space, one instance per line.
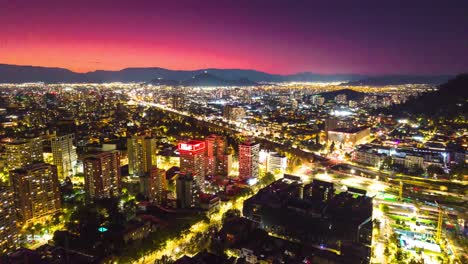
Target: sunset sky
368,37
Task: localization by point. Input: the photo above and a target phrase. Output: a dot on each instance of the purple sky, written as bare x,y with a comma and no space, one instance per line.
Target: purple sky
369,37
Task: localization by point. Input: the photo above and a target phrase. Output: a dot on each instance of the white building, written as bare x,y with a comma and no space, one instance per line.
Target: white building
276,163
64,156
248,160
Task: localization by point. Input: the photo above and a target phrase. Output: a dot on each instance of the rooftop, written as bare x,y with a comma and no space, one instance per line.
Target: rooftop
351,130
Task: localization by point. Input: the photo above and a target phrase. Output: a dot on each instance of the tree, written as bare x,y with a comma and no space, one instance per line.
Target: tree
130,208
417,170
30,229
332,147
86,220
434,170
56,218
47,223
386,163
399,255
459,171
164,260
384,208
38,228
415,261
230,214
139,197
376,223
297,162
267,179
394,238
386,251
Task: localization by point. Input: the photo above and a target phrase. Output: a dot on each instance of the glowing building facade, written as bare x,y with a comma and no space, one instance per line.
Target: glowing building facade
64,156
192,160
8,229
23,152
248,160
142,157
154,186
102,174
218,160
36,191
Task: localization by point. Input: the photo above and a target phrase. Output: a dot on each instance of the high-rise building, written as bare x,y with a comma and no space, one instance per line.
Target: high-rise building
318,100
211,158
192,160
102,174
36,191
64,155
51,100
335,122
23,152
225,166
178,101
248,160
217,156
341,99
154,185
319,191
36,147
276,163
294,104
234,113
8,228
142,155
187,191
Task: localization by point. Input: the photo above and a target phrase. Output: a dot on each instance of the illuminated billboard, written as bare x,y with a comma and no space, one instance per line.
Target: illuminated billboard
192,145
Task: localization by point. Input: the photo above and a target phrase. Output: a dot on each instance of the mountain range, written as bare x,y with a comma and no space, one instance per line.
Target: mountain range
213,77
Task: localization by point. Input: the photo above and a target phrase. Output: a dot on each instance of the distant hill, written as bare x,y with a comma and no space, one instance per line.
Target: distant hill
14,73
448,101
20,74
307,76
350,94
399,79
207,79
204,79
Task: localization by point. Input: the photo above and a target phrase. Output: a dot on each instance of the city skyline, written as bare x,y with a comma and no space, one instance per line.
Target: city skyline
383,38
233,131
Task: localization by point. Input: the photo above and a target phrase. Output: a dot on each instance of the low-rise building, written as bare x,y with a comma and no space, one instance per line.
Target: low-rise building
209,203
349,136
368,156
276,163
